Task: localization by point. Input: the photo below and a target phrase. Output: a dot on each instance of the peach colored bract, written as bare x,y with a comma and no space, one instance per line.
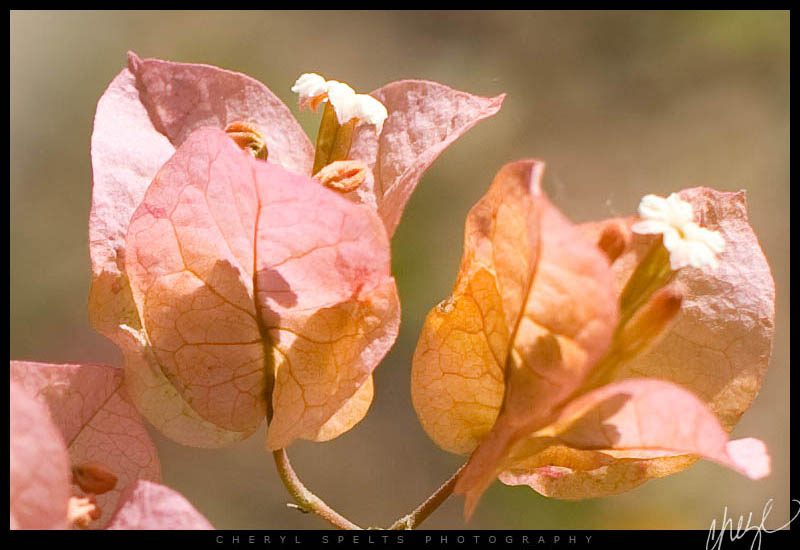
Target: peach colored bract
499,364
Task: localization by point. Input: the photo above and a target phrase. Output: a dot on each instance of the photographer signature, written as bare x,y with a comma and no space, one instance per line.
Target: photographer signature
715,538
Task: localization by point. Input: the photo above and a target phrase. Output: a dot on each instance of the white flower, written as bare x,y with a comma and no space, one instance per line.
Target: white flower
371,111
688,243
347,104
344,101
310,86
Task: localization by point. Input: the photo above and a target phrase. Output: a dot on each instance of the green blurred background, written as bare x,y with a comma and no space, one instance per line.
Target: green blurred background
619,104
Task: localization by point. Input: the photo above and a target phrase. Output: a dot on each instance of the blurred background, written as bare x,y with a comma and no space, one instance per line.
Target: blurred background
619,105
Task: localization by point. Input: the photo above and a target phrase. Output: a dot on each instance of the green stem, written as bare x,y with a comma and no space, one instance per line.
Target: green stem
306,500
421,513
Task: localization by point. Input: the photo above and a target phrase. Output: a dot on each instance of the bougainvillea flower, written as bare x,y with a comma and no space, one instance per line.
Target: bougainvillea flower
261,293
81,457
688,243
147,114
573,360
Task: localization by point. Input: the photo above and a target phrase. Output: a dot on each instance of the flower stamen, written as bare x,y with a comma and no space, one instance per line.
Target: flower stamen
614,240
248,137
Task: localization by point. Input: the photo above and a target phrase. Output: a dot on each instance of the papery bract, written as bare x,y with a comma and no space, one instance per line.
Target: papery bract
150,506
151,108
147,111
544,302
40,469
424,119
637,418
96,419
254,282
719,347
67,416
535,425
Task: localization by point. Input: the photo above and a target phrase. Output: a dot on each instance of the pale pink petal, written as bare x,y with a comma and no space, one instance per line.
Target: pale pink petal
150,506
622,435
127,150
721,342
90,407
182,97
646,414
40,471
752,455
238,267
718,348
147,111
424,119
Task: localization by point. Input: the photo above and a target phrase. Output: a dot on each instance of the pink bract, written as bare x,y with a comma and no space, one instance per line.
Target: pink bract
64,416
152,111
240,269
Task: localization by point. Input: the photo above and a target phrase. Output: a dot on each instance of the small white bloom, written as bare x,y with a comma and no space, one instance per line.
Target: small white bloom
343,100
346,103
349,105
688,243
672,210
310,86
372,111
699,247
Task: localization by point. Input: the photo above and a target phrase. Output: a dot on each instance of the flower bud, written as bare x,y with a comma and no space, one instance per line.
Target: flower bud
248,137
636,336
615,238
94,478
343,175
81,511
652,273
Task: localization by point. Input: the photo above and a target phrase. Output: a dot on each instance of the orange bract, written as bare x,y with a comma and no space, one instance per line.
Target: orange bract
500,367
552,295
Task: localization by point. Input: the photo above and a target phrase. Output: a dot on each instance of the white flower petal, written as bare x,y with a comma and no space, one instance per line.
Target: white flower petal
349,105
712,239
680,211
687,242
344,101
671,239
679,256
309,86
372,111
650,227
653,207
700,255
